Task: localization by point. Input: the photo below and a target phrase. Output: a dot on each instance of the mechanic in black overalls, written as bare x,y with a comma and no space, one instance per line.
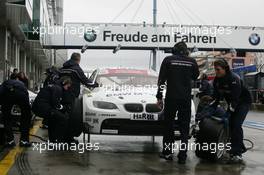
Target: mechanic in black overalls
13,92
229,86
48,105
78,77
51,76
178,71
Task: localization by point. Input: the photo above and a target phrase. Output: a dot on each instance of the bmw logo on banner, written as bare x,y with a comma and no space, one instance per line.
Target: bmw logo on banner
254,39
90,36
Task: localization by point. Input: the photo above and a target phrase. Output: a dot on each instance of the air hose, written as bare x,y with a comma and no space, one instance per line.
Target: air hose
250,142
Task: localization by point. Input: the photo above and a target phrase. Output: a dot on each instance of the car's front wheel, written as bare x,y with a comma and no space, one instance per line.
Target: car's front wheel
76,118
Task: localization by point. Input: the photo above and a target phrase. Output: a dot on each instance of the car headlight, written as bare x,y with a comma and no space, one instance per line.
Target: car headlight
104,105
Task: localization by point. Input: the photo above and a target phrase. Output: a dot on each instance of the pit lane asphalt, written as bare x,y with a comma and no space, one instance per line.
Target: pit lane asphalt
134,155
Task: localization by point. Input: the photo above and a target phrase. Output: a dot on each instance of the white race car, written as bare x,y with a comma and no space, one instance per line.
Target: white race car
124,103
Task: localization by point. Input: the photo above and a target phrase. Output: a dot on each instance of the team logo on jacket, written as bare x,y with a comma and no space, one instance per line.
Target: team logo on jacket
254,39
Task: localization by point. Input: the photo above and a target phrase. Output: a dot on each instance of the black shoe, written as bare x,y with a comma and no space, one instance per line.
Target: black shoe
10,144
23,143
236,159
168,157
181,161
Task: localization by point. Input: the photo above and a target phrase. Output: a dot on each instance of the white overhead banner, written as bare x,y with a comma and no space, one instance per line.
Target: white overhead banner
139,36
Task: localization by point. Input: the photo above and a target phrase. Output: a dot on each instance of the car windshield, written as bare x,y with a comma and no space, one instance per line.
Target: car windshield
126,79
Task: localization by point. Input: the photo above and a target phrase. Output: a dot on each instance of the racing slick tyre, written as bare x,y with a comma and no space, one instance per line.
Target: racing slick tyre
76,118
212,138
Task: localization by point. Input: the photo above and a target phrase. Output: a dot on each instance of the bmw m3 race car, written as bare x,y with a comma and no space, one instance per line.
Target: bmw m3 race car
124,103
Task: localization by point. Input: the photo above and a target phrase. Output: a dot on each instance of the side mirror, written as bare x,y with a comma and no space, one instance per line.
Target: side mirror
93,76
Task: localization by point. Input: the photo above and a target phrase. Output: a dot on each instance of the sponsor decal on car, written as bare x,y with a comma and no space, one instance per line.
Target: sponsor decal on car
96,120
144,116
88,119
107,115
109,131
90,114
129,94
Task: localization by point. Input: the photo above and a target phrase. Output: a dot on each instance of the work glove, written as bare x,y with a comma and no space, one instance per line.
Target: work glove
160,103
231,108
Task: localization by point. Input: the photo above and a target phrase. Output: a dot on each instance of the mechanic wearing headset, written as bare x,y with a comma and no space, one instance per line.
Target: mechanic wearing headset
229,86
48,105
177,70
78,77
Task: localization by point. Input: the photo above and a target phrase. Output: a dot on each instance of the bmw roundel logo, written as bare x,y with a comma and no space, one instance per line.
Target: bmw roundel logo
254,39
143,101
90,36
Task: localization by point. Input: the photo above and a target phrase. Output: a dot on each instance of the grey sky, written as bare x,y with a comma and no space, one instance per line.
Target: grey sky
221,12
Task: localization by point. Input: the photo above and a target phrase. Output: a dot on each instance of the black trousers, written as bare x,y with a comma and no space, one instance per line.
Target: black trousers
56,120
22,100
183,107
42,109
75,126
58,126
236,131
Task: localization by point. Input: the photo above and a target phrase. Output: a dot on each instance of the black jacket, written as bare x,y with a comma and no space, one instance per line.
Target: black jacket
178,71
206,88
25,81
232,89
13,85
50,95
77,77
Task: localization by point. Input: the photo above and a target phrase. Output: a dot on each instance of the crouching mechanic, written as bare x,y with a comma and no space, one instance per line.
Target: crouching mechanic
14,92
178,70
229,86
48,105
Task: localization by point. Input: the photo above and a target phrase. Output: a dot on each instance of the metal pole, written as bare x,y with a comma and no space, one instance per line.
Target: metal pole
55,57
155,13
154,59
